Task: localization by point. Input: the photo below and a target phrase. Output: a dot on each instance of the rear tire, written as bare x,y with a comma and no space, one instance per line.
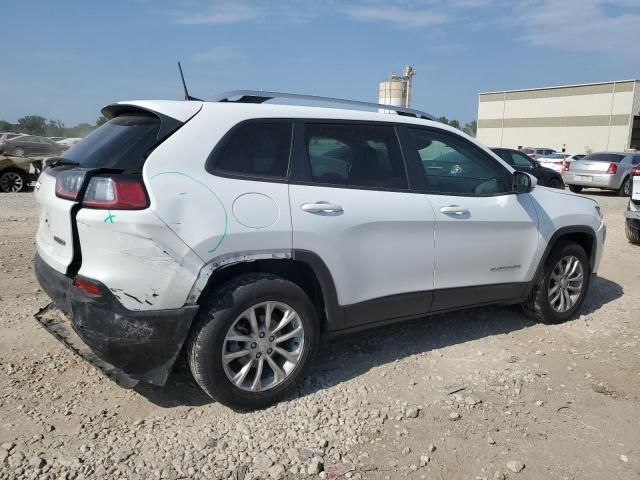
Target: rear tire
544,304
633,234
19,152
556,183
260,368
625,188
575,188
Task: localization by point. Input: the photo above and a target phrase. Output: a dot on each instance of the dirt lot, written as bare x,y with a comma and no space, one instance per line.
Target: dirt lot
552,402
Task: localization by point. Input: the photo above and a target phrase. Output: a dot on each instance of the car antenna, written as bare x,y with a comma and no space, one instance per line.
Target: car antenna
184,85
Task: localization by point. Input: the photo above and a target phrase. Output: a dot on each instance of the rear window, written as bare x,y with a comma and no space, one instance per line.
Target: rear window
256,149
121,143
604,157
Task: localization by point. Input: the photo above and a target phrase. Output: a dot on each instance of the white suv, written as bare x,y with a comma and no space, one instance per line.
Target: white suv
244,231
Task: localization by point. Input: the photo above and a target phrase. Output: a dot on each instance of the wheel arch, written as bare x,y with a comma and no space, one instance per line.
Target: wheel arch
302,267
581,235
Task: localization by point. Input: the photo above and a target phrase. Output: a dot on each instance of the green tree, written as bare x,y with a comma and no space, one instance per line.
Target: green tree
455,124
101,119
471,128
6,126
54,128
33,124
443,119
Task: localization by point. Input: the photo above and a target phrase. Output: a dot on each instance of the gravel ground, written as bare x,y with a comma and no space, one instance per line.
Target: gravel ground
483,393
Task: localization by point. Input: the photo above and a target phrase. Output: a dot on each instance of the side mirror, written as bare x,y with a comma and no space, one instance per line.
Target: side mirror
523,182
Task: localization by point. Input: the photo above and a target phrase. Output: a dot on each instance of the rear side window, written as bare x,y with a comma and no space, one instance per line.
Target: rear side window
604,157
121,143
256,149
354,155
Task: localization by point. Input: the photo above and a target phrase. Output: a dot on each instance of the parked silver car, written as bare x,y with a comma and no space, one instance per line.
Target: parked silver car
604,170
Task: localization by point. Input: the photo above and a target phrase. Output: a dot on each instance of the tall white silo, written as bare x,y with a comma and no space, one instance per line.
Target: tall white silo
396,90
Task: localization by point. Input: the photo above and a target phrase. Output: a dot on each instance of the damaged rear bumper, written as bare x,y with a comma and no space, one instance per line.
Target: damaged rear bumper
142,344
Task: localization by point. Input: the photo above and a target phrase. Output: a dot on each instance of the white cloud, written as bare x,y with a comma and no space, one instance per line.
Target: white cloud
221,13
580,25
400,16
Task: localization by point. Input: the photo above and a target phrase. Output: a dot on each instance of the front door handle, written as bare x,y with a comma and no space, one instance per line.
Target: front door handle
455,210
322,207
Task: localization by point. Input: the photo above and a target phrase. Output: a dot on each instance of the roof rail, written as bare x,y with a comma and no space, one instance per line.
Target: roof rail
259,96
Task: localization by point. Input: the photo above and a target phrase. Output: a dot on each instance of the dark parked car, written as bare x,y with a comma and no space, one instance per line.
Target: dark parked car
31,145
518,160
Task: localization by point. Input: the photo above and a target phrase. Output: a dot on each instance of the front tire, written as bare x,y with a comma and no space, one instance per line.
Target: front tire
575,188
12,181
633,234
564,282
253,341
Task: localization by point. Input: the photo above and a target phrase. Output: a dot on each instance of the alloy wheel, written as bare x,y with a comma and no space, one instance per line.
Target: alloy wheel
263,346
565,283
11,182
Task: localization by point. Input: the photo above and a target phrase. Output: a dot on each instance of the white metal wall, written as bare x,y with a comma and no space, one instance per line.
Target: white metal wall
584,118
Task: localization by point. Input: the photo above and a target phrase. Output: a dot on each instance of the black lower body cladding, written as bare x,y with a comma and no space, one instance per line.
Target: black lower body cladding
143,344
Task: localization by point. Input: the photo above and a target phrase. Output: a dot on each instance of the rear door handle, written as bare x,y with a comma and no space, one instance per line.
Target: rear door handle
455,210
322,207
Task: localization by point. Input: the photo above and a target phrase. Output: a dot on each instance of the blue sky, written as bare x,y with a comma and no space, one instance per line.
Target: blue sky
66,59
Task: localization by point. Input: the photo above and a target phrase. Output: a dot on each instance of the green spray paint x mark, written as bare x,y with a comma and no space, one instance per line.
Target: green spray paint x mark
226,218
109,218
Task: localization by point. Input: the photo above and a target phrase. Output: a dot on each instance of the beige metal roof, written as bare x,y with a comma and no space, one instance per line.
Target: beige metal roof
560,86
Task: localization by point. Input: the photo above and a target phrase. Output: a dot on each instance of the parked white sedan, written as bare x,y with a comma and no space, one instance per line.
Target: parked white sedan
555,161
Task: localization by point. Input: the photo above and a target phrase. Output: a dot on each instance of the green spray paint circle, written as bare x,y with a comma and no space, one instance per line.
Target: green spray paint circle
226,217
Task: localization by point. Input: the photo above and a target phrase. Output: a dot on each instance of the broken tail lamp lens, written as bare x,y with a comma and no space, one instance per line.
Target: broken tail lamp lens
68,184
90,288
115,193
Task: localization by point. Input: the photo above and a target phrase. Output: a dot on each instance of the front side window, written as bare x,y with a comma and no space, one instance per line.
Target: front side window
257,149
366,156
456,167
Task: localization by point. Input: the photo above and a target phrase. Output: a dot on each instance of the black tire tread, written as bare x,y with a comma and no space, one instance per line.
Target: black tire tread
536,305
222,299
633,234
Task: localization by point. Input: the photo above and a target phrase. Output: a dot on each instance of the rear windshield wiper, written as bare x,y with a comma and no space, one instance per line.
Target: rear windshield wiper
59,161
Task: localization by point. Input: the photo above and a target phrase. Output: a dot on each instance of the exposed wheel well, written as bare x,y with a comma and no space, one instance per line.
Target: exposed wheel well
584,239
295,271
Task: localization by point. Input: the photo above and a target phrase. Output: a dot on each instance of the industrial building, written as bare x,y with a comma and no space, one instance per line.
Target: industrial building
396,89
581,118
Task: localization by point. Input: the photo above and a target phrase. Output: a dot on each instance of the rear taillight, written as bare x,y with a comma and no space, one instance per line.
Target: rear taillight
90,288
115,193
68,184
613,168
635,171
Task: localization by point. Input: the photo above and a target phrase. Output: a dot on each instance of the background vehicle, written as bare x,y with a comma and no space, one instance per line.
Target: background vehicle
521,162
31,145
535,152
557,161
5,137
245,231
16,173
605,170
632,215
69,142
56,139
